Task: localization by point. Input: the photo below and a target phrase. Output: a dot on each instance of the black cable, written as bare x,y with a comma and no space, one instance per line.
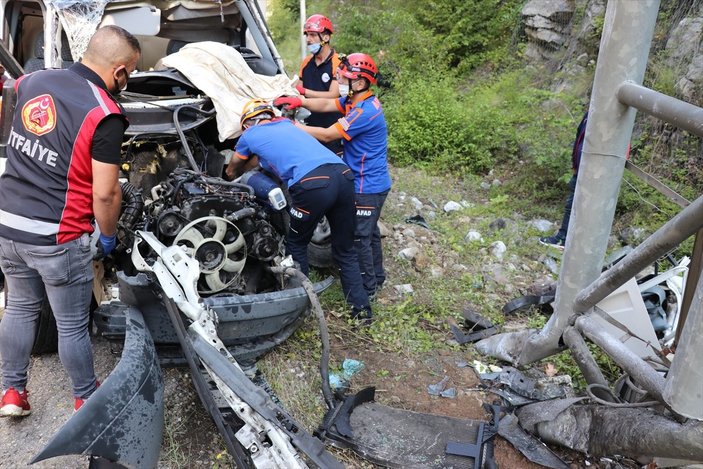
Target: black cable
182,136
324,332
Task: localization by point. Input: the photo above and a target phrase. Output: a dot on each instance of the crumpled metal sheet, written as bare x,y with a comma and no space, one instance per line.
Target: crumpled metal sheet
528,445
532,414
506,346
631,432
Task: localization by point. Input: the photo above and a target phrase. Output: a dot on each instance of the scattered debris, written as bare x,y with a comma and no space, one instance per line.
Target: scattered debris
498,249
532,448
482,450
497,224
350,367
551,264
418,220
417,203
473,235
542,300
408,253
440,389
478,326
539,389
541,225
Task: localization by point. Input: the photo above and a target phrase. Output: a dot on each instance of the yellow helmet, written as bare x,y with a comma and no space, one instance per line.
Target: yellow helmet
255,107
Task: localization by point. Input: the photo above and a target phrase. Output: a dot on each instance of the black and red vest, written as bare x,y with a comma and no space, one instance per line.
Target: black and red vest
46,194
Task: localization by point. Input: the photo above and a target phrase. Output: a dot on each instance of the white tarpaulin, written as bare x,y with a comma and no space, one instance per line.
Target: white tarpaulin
222,74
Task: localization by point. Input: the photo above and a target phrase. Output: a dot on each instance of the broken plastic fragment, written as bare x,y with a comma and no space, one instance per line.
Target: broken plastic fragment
449,393
337,382
418,220
436,389
351,367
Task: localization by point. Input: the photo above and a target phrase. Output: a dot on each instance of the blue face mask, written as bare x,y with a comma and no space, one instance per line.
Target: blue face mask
314,48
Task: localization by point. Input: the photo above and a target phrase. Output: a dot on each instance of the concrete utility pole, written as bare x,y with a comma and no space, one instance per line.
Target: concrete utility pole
303,45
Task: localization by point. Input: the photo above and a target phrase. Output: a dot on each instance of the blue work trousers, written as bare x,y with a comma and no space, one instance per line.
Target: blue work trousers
368,240
65,272
327,191
561,234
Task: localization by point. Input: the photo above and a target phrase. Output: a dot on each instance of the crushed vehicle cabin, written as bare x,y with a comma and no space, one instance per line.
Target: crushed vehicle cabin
226,236
199,277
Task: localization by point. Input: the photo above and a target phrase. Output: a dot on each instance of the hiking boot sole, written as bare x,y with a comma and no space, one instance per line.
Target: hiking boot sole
555,246
13,411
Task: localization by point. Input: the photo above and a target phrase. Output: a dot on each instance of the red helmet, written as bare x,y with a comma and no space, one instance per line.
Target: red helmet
359,65
318,24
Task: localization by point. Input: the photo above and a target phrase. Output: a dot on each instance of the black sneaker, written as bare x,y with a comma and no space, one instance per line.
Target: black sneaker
553,241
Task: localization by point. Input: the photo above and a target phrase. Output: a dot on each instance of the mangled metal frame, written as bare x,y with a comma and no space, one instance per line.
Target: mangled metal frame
617,95
123,421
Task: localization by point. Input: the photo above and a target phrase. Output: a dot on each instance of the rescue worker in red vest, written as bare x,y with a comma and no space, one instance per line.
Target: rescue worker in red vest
317,73
61,175
364,133
319,184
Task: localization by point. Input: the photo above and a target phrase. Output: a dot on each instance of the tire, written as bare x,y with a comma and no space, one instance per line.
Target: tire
47,336
320,255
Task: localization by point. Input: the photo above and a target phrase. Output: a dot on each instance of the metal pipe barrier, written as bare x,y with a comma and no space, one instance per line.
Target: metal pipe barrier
643,374
585,361
684,383
679,113
624,49
666,238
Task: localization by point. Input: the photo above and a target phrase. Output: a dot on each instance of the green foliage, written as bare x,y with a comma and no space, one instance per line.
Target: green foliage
474,32
491,124
284,24
430,125
397,327
393,36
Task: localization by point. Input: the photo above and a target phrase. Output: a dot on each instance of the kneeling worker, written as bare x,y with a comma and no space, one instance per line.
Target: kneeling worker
319,184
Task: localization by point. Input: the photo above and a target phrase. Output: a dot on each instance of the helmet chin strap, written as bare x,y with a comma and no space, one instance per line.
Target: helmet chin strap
323,43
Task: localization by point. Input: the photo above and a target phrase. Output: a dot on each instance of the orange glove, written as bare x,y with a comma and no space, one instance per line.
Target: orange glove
288,102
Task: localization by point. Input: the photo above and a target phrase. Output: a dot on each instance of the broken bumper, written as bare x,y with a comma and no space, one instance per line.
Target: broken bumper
123,420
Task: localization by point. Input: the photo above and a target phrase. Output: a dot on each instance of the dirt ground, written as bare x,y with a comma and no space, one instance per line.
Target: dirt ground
407,388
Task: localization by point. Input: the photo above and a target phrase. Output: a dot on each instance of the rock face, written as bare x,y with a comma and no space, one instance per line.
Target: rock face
547,26
685,57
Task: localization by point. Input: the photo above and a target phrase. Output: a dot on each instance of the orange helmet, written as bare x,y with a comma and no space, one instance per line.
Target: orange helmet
359,65
254,108
318,24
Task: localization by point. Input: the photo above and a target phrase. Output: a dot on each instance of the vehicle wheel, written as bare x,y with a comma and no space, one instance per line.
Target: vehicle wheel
320,255
47,338
320,246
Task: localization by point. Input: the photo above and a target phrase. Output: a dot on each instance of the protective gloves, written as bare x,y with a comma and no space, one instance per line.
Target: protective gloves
300,89
105,245
288,102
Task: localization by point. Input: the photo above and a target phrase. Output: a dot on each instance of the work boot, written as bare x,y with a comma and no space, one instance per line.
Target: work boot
14,404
